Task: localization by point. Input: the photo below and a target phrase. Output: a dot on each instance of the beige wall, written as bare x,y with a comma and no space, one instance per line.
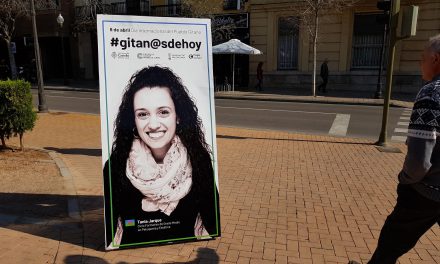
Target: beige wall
428,25
335,34
329,43
260,25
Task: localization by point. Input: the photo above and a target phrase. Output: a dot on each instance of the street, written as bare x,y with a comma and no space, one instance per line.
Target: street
357,121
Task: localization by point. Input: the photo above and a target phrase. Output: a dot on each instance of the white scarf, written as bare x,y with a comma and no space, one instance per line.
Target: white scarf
163,185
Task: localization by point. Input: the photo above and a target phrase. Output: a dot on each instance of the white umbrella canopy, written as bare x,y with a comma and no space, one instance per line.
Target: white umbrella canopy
234,46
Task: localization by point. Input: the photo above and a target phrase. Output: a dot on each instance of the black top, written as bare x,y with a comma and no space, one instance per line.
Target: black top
324,70
140,226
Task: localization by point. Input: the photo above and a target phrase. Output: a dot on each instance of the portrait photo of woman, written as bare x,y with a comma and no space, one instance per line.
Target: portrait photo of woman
159,182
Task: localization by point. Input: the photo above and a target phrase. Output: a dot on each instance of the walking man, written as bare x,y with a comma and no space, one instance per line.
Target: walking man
260,76
324,76
418,201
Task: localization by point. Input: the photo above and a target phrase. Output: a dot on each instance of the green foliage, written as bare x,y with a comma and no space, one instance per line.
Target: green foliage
16,113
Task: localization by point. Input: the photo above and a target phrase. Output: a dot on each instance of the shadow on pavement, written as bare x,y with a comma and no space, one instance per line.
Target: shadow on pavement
204,255
77,151
34,205
47,215
84,259
58,113
296,140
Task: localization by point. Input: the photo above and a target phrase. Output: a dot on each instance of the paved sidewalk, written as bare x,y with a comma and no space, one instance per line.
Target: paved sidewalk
331,98
285,198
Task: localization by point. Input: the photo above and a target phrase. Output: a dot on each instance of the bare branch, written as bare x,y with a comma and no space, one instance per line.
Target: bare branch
309,13
10,10
85,15
198,9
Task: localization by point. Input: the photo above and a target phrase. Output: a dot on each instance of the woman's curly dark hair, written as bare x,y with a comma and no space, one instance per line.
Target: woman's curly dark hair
189,129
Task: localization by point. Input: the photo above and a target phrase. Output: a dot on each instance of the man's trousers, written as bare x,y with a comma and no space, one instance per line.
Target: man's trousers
412,216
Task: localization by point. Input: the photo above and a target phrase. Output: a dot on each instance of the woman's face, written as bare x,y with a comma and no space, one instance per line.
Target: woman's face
155,118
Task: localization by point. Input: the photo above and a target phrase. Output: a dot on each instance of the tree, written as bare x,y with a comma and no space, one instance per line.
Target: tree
220,32
25,116
310,13
10,10
86,14
85,19
16,111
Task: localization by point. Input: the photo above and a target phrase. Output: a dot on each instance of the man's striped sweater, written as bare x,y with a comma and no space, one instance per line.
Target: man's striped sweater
421,168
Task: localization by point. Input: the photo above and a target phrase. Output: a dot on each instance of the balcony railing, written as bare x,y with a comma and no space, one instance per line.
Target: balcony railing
166,10
44,5
119,8
233,4
116,8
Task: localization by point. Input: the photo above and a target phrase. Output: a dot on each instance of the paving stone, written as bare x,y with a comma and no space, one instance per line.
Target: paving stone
285,198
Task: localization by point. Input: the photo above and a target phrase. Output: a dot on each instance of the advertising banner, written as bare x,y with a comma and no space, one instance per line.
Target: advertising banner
159,153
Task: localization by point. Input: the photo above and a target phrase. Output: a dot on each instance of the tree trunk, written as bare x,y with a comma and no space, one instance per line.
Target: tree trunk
21,142
11,61
315,43
3,142
42,107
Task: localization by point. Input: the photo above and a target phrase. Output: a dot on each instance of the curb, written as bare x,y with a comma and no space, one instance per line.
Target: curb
393,103
402,104
72,203
60,88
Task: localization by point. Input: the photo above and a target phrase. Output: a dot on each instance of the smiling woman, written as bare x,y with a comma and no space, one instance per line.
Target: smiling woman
156,119
159,182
